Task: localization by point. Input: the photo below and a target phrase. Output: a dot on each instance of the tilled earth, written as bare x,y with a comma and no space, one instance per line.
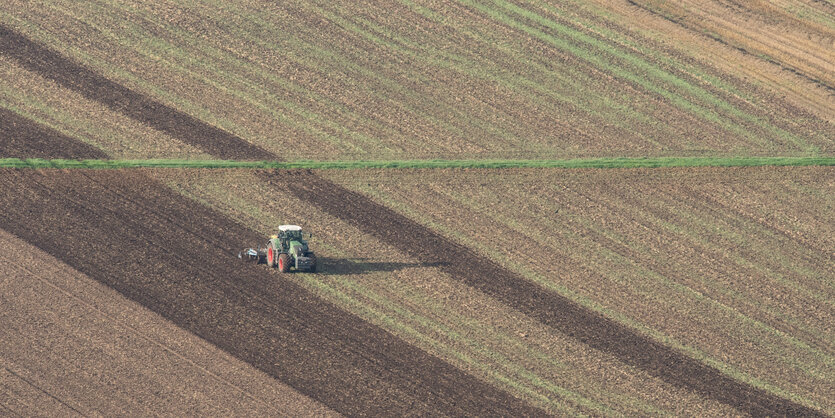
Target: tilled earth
177,259
158,249
551,309
72,345
620,237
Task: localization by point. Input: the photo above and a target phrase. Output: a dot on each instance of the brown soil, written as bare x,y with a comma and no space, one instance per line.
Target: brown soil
185,302
71,345
358,269
789,85
179,260
798,45
20,138
512,96
35,97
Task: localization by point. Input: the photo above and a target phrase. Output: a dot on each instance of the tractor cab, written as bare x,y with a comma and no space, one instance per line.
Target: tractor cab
290,232
290,239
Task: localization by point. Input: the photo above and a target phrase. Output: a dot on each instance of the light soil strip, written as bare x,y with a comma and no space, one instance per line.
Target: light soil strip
763,30
71,344
20,396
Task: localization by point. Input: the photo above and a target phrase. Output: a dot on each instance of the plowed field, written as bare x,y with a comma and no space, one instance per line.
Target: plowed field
796,36
735,264
24,139
178,259
71,345
467,292
783,46
765,307
394,80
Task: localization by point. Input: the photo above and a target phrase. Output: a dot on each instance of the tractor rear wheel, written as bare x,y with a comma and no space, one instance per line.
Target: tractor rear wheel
271,256
284,262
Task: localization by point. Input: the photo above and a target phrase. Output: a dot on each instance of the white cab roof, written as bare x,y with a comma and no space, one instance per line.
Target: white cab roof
289,228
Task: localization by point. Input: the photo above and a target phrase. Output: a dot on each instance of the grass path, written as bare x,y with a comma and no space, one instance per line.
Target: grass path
658,162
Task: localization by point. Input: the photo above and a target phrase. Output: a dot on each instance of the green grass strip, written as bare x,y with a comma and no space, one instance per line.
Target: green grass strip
650,162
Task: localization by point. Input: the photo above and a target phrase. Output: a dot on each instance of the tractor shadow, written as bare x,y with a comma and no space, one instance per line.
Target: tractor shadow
343,266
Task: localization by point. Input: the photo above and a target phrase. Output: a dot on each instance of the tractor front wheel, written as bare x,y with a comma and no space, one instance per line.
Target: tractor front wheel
284,262
271,257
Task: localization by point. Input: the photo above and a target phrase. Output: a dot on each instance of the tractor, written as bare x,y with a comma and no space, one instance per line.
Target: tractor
286,250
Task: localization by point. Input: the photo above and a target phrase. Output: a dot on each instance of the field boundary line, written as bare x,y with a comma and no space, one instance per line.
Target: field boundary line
617,162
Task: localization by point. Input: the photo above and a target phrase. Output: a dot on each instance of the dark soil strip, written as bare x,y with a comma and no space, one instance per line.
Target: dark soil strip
23,138
547,307
175,123
422,243
179,259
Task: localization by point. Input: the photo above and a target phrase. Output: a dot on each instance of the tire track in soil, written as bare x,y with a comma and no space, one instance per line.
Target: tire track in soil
178,259
21,138
41,390
408,236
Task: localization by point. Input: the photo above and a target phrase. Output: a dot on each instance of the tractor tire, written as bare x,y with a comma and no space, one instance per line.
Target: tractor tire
272,260
284,262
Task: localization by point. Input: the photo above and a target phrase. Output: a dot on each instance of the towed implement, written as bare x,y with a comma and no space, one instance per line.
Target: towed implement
286,250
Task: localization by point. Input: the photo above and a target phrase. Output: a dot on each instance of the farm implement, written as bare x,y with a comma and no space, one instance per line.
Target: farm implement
286,250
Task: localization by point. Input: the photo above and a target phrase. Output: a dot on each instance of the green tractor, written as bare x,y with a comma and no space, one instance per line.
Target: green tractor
286,250
289,249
